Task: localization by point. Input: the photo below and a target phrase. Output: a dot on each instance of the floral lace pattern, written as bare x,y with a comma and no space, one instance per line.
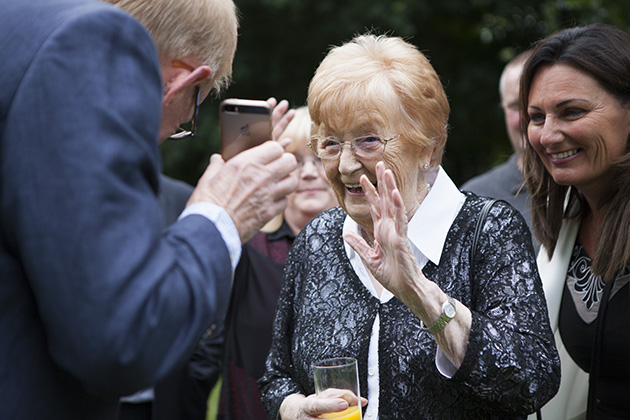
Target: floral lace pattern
511,366
586,289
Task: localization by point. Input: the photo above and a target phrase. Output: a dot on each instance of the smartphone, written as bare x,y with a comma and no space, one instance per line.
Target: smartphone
245,123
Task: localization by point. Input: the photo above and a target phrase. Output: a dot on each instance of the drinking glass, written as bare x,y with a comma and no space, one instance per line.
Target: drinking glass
339,373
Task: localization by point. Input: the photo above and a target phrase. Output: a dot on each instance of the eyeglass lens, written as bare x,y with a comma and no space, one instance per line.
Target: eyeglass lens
366,146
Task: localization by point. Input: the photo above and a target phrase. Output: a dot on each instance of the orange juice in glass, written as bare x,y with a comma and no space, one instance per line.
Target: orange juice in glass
335,377
350,413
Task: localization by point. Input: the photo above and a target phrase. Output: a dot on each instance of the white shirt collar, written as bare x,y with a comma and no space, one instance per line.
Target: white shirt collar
430,225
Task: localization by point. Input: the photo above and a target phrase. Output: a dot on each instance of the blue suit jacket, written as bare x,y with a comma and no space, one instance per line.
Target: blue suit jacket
96,299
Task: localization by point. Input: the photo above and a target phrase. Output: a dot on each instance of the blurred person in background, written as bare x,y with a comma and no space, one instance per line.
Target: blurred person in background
258,279
506,181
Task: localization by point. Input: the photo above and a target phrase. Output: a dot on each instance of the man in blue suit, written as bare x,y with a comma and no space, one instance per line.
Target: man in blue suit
96,300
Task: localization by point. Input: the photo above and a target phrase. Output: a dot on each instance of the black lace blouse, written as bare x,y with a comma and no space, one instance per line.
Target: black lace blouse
511,366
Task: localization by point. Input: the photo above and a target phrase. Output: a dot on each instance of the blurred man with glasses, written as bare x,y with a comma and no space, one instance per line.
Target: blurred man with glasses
506,181
97,300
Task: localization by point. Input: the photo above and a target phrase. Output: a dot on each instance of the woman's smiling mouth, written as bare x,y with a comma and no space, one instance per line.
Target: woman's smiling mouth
563,155
356,189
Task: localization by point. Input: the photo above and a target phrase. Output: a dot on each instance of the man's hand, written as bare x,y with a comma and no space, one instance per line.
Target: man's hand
252,186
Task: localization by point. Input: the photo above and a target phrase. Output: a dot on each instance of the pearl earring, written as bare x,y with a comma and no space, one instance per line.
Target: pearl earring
425,166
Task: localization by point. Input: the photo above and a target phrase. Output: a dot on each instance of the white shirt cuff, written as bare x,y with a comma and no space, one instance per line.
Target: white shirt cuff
444,366
223,222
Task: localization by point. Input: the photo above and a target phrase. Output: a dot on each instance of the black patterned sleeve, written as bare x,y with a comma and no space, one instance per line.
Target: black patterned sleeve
511,361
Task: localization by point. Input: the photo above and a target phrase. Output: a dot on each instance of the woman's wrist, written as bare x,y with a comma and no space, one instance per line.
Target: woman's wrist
425,299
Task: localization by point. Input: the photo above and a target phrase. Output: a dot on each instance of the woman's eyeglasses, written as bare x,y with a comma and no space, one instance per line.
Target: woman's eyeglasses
368,147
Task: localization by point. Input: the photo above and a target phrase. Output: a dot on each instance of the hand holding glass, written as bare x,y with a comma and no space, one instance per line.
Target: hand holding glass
339,377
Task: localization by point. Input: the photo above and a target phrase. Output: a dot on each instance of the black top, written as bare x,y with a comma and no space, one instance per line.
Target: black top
511,367
257,283
578,312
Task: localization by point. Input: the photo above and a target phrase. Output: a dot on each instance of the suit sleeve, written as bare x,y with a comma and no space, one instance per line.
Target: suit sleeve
121,300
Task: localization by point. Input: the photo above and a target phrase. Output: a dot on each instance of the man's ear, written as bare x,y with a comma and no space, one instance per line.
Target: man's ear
180,79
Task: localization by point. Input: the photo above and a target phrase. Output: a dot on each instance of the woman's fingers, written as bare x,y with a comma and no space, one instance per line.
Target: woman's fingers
360,246
397,204
372,196
314,405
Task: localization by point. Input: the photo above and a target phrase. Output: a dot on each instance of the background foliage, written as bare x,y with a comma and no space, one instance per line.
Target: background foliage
468,42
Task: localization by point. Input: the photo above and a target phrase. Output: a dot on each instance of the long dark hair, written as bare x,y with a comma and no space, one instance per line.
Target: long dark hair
603,52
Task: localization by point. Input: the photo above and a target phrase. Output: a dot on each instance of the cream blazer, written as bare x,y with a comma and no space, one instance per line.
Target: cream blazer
570,401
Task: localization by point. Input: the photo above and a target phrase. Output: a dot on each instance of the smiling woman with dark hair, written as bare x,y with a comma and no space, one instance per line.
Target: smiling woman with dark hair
440,328
575,97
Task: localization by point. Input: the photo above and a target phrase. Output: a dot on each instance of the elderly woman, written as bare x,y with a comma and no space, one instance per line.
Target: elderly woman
436,333
575,98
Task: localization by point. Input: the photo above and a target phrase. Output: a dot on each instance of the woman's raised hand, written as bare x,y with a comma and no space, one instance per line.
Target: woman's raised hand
390,259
